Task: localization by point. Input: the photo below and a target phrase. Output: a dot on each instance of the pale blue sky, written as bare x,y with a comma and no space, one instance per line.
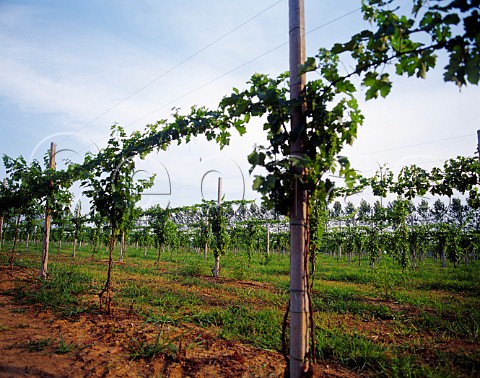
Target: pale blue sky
69,69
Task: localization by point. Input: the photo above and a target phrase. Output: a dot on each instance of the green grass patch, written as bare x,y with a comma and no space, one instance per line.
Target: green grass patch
149,349
427,314
260,328
37,345
62,292
64,347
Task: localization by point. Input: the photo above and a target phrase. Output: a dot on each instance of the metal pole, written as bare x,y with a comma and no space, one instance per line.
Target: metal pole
299,205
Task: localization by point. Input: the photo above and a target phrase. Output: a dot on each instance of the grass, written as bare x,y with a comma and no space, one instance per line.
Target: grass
48,345
261,328
38,345
375,323
352,350
62,292
149,350
64,346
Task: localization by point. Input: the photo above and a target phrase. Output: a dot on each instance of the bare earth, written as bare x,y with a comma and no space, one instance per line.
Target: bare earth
37,343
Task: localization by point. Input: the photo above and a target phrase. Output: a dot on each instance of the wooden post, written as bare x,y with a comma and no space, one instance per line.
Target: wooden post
268,240
205,248
1,219
122,246
46,227
76,230
15,237
216,269
299,306
478,144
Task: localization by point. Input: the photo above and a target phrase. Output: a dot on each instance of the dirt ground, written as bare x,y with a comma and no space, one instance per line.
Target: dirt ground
37,343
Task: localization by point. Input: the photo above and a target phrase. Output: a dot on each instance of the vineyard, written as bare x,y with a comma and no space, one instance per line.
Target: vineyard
305,283
394,312
405,232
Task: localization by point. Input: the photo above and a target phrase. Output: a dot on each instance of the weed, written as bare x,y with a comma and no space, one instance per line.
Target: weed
261,327
240,271
168,301
140,293
451,324
64,347
189,280
345,300
193,269
386,282
38,345
151,317
210,318
432,307
148,350
354,351
17,310
60,293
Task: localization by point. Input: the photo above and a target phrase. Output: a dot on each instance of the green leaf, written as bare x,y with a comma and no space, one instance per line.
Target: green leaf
240,128
309,65
258,183
345,86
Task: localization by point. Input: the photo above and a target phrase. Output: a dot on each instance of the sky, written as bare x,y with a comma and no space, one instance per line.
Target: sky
71,69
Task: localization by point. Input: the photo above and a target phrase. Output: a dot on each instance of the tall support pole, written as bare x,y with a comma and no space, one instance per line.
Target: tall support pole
46,227
268,240
1,219
216,269
205,247
299,305
76,231
219,196
478,144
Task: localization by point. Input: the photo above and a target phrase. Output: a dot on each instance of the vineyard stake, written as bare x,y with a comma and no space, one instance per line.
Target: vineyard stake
298,212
